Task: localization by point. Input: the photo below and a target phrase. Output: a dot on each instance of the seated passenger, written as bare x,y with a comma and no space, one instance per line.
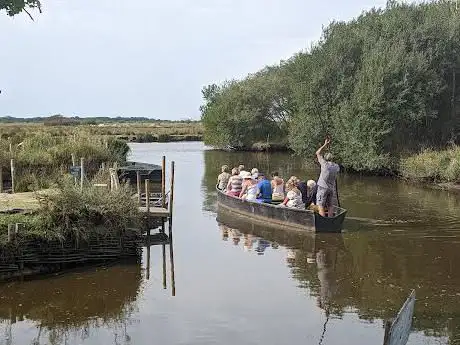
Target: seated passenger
291,184
222,179
295,199
277,187
241,170
302,186
265,189
249,190
234,183
308,191
311,193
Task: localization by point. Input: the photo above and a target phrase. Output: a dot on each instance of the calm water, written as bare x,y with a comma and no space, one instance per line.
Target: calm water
239,283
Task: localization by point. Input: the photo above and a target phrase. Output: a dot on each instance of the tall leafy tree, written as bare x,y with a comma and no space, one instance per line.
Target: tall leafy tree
383,85
13,7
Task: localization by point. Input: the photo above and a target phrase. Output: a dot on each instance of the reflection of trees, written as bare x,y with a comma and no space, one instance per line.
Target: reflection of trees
373,272
74,304
404,204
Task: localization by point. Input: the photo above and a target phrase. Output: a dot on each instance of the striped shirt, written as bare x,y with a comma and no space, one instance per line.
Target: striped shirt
236,183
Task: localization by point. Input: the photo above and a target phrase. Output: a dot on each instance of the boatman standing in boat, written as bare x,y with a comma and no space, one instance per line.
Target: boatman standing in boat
326,181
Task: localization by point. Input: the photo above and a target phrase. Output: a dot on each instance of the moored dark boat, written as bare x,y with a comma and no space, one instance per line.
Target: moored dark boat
282,217
148,171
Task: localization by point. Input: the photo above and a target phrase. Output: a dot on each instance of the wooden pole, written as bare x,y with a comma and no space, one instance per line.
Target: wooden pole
74,163
163,250
148,258
10,232
163,182
147,196
171,249
138,181
171,192
12,176
115,175
82,172
171,258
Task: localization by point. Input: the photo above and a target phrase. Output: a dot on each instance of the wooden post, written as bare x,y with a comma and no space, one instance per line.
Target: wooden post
171,259
138,181
148,257
74,162
171,192
82,172
147,197
171,249
1,179
10,232
163,182
12,176
163,250
116,182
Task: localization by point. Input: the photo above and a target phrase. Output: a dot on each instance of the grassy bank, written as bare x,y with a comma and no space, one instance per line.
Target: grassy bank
127,131
41,159
433,166
70,228
69,213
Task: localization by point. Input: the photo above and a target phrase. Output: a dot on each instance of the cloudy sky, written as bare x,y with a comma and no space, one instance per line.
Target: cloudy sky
148,57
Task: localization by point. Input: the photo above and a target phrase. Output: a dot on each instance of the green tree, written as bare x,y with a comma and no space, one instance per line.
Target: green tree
13,7
241,113
383,86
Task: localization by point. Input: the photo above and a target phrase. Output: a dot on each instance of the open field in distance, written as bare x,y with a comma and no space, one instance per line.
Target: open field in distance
130,131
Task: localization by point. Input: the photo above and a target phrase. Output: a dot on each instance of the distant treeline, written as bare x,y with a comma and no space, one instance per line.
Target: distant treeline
384,86
60,120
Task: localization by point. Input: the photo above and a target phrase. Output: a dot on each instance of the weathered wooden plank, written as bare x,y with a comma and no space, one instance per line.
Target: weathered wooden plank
397,332
155,211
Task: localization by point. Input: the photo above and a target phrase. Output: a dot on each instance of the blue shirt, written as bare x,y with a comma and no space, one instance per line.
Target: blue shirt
265,190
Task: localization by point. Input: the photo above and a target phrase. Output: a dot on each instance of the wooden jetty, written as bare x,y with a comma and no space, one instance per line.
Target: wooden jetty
31,257
155,205
159,208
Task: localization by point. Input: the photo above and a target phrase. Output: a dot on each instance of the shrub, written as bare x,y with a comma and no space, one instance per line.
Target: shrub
437,166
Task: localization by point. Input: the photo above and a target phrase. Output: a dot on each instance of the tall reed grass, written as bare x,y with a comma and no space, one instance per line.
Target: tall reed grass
41,158
433,166
71,213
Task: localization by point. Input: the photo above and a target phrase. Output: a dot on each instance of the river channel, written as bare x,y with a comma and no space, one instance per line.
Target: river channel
237,283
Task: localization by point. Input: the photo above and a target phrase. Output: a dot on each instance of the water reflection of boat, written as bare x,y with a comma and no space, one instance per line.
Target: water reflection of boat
315,253
282,217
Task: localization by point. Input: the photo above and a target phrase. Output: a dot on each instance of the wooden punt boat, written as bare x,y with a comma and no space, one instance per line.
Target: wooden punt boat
282,217
149,171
